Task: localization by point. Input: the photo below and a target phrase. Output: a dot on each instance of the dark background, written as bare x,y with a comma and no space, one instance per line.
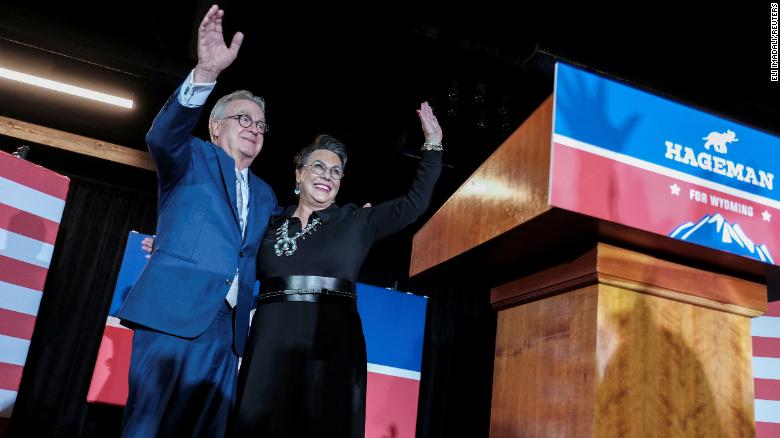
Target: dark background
357,73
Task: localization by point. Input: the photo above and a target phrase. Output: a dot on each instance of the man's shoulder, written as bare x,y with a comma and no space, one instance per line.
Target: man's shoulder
204,154
204,148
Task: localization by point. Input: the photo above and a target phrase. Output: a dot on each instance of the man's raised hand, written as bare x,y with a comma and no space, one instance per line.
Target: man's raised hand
213,54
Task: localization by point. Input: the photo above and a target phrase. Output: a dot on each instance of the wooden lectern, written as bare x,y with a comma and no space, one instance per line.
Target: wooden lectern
603,329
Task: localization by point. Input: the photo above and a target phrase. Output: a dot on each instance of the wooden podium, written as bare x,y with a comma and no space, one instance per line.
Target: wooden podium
603,329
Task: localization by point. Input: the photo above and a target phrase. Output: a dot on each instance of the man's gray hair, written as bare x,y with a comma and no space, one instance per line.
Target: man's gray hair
218,112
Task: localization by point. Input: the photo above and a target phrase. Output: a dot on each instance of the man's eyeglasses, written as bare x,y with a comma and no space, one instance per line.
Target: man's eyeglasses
318,167
245,120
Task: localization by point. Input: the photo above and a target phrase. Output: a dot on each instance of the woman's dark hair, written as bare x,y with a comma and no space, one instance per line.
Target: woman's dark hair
322,141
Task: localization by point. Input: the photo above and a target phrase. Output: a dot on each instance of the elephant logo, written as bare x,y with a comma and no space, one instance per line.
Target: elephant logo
718,140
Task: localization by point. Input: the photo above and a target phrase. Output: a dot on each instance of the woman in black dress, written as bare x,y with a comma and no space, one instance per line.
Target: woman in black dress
304,371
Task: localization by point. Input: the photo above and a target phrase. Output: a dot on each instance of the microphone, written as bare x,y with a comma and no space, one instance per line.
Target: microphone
22,151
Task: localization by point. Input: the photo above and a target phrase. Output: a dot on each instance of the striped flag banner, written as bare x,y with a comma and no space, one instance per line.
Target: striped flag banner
31,203
766,371
394,326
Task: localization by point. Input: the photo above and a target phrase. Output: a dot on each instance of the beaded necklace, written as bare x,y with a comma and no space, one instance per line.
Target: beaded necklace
285,244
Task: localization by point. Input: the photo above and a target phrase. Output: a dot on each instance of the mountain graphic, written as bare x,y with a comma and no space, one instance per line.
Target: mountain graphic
715,232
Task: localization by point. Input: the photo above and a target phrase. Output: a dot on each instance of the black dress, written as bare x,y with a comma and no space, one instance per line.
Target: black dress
304,371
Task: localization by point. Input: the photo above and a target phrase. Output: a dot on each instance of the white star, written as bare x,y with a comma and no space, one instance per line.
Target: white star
766,215
675,189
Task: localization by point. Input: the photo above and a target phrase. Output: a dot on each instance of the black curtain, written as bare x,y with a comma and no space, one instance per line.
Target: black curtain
52,394
457,370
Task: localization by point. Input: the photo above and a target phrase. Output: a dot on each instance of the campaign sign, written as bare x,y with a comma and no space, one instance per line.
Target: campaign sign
631,157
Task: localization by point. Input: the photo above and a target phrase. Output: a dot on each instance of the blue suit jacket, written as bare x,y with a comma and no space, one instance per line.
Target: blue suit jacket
199,244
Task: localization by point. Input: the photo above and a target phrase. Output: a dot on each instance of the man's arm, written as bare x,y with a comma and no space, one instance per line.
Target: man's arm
169,137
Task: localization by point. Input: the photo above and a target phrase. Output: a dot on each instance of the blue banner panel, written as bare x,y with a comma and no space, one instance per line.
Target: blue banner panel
133,263
394,326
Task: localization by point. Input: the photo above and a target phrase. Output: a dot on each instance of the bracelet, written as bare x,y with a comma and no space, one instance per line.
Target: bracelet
432,146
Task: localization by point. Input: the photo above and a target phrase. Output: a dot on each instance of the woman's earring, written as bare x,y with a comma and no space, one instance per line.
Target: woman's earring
297,190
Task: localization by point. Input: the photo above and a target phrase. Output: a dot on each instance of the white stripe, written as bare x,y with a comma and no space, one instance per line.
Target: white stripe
391,371
13,350
766,368
655,168
552,139
768,411
765,326
30,200
7,400
113,321
25,249
19,299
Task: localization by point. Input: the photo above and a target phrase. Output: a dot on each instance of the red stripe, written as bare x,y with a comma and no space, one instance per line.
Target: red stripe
22,274
588,196
767,430
16,324
33,176
28,224
4,426
767,389
10,376
773,309
766,347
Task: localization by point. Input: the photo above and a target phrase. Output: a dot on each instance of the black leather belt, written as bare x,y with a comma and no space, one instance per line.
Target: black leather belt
309,288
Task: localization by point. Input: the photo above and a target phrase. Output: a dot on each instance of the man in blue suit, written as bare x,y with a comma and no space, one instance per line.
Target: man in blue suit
190,306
